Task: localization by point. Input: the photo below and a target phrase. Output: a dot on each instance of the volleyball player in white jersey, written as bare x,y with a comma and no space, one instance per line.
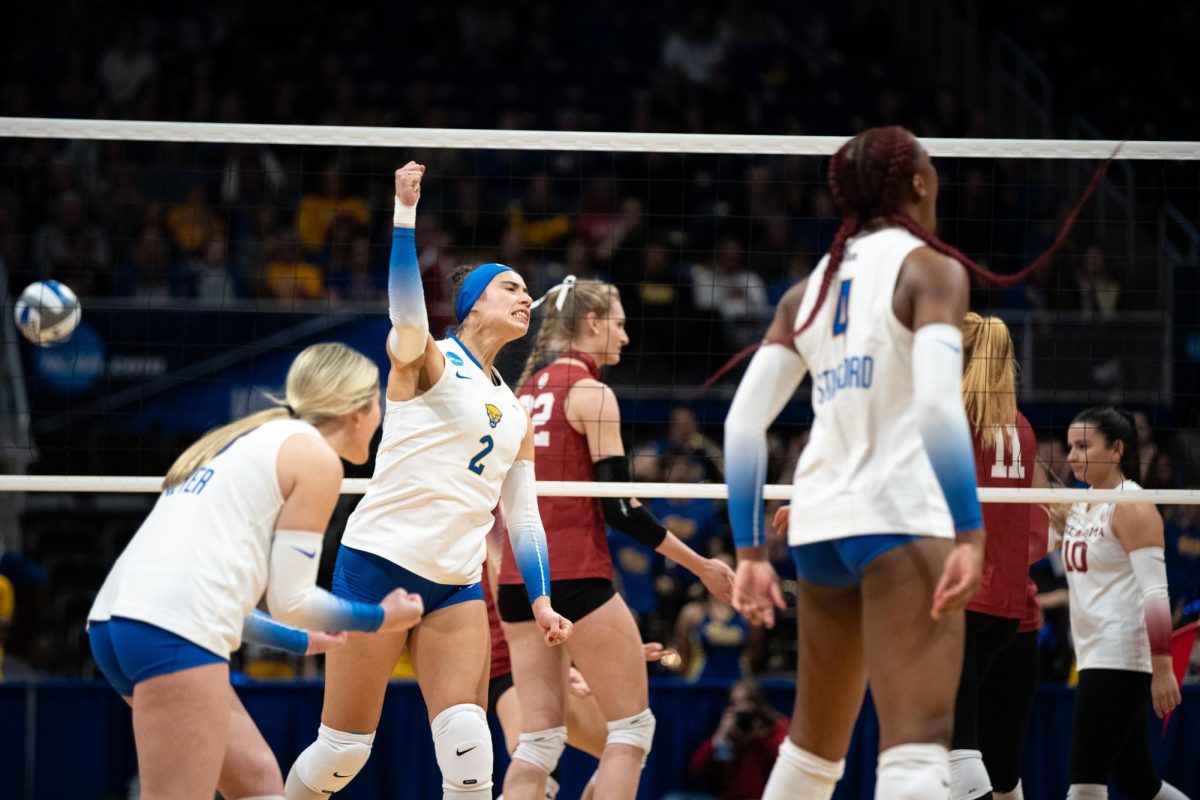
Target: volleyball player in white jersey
243,511
885,499
1120,616
455,442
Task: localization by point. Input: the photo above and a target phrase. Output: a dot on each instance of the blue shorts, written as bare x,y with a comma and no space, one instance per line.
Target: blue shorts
366,577
841,562
128,652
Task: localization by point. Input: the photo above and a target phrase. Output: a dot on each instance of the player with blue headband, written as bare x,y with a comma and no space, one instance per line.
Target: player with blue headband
456,442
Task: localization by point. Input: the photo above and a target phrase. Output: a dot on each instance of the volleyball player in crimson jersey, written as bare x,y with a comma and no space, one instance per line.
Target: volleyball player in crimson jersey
1005,457
577,436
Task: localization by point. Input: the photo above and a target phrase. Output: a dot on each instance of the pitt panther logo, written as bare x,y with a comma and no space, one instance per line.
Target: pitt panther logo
493,413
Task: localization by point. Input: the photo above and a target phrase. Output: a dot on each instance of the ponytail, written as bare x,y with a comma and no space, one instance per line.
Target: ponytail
989,375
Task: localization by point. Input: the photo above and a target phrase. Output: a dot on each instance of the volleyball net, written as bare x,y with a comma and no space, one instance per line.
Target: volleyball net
207,255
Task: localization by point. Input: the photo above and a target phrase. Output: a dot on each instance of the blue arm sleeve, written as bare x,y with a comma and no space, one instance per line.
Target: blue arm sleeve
525,531
406,297
262,629
770,381
937,388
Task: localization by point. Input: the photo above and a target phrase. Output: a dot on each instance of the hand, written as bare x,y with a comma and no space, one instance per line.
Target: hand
728,726
756,592
780,523
960,575
321,642
401,611
556,628
654,651
1164,691
717,577
577,685
408,183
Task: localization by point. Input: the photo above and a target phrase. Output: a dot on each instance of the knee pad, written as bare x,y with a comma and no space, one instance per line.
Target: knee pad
463,745
636,731
1087,791
1015,794
913,772
542,748
801,775
1169,792
968,776
328,764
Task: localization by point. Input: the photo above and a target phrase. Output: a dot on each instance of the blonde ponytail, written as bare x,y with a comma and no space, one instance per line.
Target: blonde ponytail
561,321
325,382
990,373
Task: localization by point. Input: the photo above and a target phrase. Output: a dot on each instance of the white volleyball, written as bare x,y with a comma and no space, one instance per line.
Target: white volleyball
47,312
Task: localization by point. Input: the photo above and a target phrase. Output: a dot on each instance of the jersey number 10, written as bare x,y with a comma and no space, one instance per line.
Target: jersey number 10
1000,469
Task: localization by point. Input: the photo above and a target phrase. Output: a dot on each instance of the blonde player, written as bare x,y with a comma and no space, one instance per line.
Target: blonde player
885,499
243,511
455,442
1120,616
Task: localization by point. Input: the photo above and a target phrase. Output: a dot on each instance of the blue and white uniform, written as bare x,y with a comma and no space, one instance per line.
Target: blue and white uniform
438,475
885,461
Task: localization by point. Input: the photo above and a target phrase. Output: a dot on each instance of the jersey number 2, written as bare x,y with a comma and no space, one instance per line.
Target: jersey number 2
1015,470
476,464
539,408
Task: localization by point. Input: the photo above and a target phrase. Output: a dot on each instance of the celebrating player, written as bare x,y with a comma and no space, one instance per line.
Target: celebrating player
1005,456
243,511
1120,616
577,432
455,442
883,488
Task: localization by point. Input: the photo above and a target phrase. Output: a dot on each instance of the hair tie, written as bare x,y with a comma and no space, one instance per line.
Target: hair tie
291,411
568,283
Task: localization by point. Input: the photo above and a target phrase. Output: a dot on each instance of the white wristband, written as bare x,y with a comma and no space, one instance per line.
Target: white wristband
405,216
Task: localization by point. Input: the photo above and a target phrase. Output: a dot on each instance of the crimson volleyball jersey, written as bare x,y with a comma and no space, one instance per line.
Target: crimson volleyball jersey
1004,458
501,664
574,525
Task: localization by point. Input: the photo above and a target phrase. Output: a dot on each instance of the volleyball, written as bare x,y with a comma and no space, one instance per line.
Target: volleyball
47,312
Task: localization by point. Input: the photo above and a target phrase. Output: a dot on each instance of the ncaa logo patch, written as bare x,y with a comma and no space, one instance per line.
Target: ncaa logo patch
493,413
454,358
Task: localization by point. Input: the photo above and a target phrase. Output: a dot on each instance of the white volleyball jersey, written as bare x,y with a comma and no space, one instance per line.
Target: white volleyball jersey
199,563
864,470
1108,622
438,473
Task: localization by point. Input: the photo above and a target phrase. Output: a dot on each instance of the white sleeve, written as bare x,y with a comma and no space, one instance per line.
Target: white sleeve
294,597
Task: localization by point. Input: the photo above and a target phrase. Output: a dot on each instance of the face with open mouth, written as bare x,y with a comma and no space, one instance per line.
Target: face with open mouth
504,306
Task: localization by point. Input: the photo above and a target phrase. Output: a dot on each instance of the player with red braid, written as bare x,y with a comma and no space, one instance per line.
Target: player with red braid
885,526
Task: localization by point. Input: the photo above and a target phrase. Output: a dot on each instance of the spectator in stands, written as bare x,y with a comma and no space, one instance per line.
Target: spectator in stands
1181,532
693,520
292,275
713,640
539,217
148,274
72,249
1147,446
1097,292
316,213
734,763
799,267
7,601
194,223
350,277
736,294
210,274
259,247
618,248
697,48
125,67
685,437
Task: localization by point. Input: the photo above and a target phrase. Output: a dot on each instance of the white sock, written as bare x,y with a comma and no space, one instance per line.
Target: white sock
968,777
1015,794
1087,791
1169,792
800,775
552,788
913,772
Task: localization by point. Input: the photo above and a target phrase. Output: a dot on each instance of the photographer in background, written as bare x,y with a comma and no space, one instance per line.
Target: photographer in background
734,763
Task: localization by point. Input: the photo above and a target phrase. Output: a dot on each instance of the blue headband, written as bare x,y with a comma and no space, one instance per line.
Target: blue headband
473,285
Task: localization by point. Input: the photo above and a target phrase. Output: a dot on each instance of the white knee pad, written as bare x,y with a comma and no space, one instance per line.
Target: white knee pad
328,764
542,748
637,731
1015,794
968,776
1169,792
1087,791
463,744
913,772
800,775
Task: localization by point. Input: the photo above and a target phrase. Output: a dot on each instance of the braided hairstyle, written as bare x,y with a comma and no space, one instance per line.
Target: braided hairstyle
867,176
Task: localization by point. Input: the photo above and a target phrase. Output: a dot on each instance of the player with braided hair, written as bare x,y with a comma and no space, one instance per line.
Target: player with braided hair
885,526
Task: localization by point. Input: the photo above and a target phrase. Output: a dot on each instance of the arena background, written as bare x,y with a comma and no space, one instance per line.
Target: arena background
204,267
